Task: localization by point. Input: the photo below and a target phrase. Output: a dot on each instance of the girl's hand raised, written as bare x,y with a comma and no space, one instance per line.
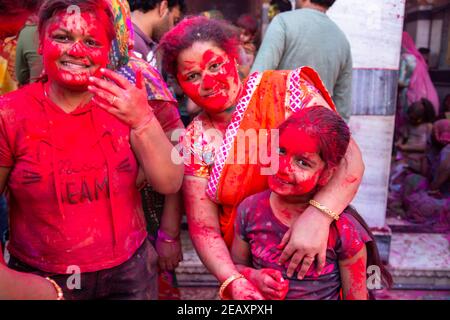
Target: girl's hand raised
121,98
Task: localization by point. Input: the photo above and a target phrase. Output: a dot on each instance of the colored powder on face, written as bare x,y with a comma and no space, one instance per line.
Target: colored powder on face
217,85
73,50
294,177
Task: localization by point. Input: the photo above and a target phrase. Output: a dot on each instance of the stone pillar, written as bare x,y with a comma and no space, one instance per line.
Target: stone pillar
374,30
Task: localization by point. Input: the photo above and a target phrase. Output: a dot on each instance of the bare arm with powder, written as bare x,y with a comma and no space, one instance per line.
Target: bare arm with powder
170,253
306,241
204,229
353,276
19,285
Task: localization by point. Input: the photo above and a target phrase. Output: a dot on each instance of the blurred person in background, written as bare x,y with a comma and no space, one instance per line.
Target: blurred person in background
248,30
308,37
278,6
28,64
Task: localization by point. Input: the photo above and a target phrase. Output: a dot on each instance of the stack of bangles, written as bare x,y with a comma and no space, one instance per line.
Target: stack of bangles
164,237
227,282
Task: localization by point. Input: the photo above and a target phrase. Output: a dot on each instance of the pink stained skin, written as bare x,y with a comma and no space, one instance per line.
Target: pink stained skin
300,166
73,50
269,282
353,272
209,77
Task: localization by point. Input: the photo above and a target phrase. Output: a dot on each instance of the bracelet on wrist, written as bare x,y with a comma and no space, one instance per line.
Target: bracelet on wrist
164,237
324,209
59,292
227,282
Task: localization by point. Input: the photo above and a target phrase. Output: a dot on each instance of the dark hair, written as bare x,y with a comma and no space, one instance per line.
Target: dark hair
196,29
324,3
9,7
15,8
147,5
424,50
246,21
281,5
423,109
331,131
51,7
16,12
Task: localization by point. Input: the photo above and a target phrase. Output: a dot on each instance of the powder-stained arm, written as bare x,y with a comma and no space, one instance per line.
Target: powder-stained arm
353,276
204,229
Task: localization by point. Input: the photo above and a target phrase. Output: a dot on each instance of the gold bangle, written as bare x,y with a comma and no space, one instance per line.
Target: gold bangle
59,292
324,209
227,282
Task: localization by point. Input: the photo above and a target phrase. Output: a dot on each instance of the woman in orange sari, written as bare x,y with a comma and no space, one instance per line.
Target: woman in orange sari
202,54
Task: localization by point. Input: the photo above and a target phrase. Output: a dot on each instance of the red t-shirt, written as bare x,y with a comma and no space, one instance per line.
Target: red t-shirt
72,186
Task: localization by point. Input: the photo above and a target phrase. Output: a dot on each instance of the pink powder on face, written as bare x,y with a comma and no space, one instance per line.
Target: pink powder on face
74,51
217,85
300,165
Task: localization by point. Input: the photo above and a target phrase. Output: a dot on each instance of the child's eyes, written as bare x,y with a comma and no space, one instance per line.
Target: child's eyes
302,163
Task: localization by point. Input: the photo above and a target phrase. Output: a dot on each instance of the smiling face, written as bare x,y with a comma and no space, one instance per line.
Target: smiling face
301,168
74,49
208,76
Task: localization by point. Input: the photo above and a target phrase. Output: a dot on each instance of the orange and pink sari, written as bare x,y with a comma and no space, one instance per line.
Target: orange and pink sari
268,99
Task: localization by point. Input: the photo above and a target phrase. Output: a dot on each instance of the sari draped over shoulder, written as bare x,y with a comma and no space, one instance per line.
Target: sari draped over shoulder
268,99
